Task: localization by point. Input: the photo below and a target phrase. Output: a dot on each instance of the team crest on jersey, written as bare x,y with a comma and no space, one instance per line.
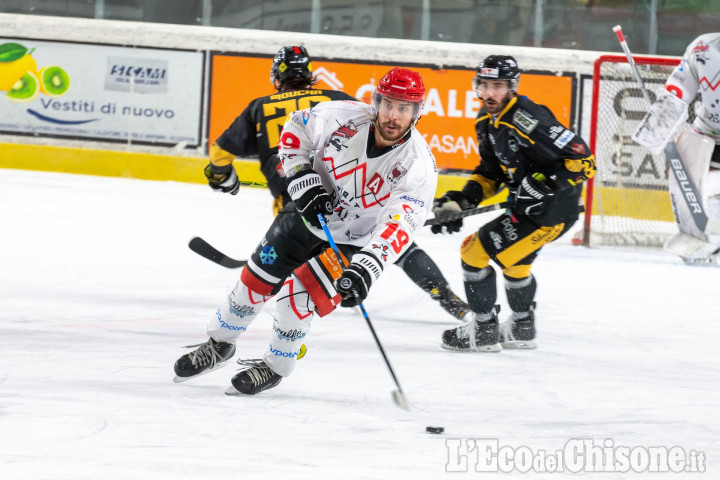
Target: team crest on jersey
397,171
524,121
701,52
338,137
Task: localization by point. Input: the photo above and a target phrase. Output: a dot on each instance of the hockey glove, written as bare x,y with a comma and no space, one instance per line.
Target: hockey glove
533,195
310,196
357,278
228,183
446,206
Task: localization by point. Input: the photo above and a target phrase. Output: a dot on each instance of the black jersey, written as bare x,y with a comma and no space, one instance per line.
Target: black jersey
526,138
257,131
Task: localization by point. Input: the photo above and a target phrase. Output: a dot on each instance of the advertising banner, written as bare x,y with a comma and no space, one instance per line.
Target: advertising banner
141,95
448,120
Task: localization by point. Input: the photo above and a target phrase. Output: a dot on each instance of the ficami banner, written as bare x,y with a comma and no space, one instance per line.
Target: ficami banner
76,90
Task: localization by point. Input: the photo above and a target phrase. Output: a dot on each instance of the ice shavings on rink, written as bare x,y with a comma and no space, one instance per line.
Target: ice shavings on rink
100,294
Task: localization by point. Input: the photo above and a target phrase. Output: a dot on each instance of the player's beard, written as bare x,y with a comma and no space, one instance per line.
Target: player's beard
493,107
387,135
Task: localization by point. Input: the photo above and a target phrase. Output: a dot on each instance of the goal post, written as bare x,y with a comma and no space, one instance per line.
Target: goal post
627,202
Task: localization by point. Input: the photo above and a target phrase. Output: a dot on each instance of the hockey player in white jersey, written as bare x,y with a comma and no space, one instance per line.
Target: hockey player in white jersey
698,72
371,174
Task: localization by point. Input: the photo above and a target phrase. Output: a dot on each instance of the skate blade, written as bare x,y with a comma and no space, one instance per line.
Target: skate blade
234,392
183,379
519,345
494,348
712,261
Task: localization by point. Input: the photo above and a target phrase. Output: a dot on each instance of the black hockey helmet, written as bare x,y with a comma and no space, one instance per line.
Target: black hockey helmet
292,65
498,67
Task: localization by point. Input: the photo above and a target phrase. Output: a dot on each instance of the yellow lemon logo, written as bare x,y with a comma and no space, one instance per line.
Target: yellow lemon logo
15,61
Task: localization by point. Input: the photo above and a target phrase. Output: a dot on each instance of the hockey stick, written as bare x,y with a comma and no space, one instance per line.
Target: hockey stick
398,395
250,183
204,249
677,165
467,213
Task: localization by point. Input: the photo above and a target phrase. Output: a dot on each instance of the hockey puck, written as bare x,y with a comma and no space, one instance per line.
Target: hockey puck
435,430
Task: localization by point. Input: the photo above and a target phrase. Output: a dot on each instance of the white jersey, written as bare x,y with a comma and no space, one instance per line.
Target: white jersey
380,198
699,70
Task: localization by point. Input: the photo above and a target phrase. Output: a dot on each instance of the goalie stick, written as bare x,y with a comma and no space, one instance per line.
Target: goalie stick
204,249
691,195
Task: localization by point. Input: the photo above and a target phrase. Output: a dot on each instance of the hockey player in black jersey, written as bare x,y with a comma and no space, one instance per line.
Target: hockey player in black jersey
543,164
257,130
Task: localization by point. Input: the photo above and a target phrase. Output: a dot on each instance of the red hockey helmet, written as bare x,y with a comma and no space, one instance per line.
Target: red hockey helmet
401,84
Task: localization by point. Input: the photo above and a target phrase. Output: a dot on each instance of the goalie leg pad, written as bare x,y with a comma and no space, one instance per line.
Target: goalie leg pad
711,191
695,150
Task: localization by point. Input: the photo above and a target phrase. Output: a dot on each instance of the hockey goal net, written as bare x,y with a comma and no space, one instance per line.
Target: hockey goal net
627,202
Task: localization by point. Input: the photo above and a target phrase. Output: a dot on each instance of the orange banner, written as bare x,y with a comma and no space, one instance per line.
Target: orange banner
450,104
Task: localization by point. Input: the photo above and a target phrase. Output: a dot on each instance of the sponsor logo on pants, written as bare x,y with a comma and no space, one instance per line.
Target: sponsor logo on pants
280,353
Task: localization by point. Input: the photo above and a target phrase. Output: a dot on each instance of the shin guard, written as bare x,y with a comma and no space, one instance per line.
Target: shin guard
480,287
520,293
294,313
240,308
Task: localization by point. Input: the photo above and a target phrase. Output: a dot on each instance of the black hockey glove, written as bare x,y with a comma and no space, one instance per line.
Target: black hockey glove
449,204
229,183
533,195
357,278
310,196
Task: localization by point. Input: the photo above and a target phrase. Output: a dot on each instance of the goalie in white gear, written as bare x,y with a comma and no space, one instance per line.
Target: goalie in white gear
698,72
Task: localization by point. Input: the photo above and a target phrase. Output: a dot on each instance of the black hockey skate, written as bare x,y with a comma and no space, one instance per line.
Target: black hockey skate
254,379
209,356
478,335
519,334
450,302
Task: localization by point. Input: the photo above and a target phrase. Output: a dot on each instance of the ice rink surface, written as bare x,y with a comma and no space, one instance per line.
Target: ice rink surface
99,294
